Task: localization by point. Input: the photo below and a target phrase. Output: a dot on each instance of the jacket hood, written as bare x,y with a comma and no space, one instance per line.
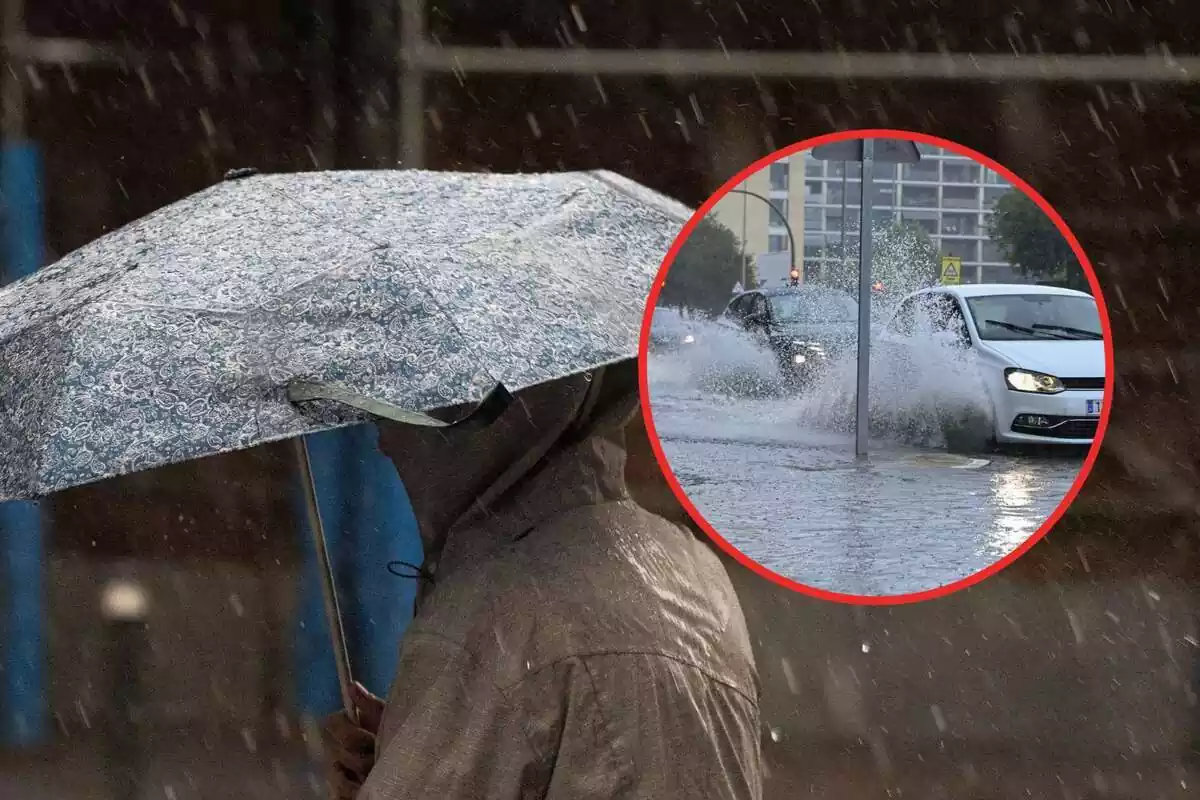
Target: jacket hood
559,445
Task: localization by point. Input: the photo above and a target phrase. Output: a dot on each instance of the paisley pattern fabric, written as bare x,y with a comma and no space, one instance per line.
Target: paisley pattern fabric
177,336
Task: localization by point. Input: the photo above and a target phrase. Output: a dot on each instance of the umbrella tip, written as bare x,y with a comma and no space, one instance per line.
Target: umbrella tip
240,172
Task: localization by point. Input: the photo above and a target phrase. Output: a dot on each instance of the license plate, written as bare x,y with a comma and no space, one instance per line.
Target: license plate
1095,406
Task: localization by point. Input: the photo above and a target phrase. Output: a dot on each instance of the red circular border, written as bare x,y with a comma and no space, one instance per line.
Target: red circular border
648,413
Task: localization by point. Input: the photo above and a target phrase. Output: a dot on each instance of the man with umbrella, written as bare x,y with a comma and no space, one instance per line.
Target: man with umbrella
567,642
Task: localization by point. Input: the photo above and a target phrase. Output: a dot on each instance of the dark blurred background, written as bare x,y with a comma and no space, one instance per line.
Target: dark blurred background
1072,674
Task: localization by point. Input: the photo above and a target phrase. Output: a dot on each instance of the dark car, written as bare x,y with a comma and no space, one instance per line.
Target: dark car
806,327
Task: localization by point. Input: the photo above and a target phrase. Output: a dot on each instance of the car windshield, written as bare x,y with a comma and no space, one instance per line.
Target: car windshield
814,307
1041,317
667,322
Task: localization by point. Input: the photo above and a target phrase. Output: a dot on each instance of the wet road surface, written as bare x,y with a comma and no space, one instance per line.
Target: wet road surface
792,497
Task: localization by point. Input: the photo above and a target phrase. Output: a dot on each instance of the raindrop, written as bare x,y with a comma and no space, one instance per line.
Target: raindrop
69,77
683,126
645,125
169,792
206,121
776,735
236,602
577,15
1076,628
790,676
600,89
35,78
533,125
866,648
435,119
939,719
147,87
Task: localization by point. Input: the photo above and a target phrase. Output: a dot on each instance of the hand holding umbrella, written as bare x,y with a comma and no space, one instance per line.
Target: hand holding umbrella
351,745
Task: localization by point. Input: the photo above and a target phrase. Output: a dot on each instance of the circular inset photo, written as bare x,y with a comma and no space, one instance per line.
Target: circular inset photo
876,366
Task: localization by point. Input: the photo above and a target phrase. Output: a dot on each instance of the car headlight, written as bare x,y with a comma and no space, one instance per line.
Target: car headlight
689,339
1023,380
811,348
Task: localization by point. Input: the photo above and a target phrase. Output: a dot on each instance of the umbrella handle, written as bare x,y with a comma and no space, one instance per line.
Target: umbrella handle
333,615
485,413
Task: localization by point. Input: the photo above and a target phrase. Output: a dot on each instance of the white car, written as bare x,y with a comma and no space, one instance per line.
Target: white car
1039,352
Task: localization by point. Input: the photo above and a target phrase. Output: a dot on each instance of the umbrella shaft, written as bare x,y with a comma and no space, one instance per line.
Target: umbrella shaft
337,633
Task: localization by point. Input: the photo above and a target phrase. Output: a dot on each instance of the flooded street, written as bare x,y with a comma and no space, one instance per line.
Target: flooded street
788,492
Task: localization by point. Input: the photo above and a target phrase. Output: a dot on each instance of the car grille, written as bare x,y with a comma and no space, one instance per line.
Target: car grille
1061,428
1082,383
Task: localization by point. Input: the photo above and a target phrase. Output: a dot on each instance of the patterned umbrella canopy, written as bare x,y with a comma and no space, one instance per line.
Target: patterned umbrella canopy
270,306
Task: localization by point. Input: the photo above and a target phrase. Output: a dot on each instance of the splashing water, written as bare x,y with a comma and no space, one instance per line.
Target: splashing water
926,392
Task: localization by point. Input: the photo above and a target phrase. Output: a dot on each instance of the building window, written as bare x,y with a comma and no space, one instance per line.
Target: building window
960,172
814,168
991,194
959,248
852,169
919,196
885,219
960,197
994,178
812,251
813,219
813,188
780,208
885,194
960,225
853,193
777,243
993,253
921,171
926,220
1003,275
885,171
780,171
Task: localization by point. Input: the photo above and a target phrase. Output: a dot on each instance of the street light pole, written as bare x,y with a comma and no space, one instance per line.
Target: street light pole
787,226
863,394
845,168
744,275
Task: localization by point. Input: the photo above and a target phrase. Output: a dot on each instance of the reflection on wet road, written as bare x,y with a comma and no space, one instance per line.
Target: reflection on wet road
794,499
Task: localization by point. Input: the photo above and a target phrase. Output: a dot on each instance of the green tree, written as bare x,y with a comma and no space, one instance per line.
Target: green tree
903,257
706,269
1032,243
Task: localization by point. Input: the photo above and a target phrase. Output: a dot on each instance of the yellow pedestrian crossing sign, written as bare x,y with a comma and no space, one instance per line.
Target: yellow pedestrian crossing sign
951,269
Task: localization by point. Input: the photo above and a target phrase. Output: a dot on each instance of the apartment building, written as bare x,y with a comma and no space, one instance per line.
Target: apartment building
951,196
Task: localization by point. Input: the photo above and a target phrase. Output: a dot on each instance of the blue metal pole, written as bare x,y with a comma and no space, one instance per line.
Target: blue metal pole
385,530
23,706
369,522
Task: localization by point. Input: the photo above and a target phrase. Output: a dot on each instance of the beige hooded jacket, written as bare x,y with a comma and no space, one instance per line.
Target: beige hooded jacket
571,644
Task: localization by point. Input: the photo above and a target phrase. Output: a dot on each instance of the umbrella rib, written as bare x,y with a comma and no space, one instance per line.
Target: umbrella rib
386,249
